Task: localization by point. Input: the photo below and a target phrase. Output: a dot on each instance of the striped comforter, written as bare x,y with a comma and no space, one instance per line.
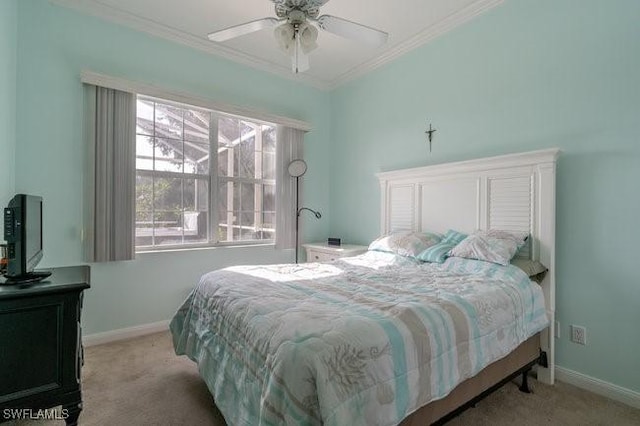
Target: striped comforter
360,341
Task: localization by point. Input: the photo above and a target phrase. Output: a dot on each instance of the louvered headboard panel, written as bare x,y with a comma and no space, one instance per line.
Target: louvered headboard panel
401,207
510,207
512,192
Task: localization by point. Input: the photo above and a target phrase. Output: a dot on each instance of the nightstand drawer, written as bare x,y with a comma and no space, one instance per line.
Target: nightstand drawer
320,252
318,256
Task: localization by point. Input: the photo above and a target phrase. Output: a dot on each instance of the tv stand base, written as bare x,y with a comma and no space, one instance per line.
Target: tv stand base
31,277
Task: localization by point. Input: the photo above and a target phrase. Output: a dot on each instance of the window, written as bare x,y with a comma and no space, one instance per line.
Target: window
202,177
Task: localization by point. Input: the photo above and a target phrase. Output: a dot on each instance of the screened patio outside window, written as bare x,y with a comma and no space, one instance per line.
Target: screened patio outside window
202,177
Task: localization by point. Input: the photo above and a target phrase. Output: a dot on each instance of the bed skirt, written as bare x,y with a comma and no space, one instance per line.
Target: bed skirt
491,375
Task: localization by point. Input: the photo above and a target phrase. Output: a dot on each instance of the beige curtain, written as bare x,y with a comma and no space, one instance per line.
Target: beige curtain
110,124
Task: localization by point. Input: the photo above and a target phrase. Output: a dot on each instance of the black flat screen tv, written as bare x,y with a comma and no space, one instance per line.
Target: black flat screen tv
23,234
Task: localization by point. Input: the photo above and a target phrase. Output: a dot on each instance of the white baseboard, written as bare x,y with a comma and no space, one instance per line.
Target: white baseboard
124,333
615,392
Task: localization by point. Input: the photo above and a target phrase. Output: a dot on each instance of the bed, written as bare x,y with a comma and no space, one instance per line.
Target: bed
381,338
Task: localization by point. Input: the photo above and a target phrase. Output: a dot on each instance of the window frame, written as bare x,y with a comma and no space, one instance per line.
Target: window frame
213,180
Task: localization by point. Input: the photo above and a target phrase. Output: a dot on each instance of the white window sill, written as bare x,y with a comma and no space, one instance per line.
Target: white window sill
234,245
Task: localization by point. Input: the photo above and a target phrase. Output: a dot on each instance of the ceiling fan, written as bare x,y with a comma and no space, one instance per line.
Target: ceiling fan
296,29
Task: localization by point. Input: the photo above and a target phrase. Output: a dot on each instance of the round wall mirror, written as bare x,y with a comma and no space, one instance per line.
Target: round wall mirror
297,168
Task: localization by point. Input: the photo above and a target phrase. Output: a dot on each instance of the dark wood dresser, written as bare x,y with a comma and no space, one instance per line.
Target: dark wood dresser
41,346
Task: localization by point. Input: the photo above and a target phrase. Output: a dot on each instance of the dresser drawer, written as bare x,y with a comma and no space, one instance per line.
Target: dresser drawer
318,256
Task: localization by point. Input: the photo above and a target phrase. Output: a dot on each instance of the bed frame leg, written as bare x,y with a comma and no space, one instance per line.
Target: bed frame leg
524,387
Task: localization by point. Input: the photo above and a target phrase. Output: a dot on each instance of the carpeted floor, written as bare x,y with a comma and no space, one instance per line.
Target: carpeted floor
142,382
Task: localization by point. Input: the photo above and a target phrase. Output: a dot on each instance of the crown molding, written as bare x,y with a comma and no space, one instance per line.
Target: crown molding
100,10
439,28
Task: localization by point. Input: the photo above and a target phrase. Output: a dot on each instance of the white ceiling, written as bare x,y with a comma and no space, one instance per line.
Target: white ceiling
410,23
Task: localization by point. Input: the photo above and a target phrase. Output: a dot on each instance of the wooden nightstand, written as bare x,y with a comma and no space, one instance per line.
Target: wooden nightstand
321,252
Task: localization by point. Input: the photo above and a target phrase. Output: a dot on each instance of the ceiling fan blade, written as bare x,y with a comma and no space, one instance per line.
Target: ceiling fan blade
352,30
243,29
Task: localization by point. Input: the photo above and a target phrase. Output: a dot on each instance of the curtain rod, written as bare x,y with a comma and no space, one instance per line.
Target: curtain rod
97,79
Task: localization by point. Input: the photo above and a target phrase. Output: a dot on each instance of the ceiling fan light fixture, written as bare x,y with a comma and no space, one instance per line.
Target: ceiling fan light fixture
297,40
296,29
285,36
308,35
299,58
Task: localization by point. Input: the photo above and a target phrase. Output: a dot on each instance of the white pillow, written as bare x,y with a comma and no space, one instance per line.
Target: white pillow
491,246
405,243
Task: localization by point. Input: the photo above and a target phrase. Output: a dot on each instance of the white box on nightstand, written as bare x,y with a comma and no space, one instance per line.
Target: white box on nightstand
322,252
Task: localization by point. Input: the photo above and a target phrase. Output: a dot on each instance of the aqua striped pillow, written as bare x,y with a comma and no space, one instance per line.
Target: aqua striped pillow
438,253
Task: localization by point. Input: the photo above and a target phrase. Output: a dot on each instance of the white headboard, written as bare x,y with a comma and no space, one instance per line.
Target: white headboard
510,192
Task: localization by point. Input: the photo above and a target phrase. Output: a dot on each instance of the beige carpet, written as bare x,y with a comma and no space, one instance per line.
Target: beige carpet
142,382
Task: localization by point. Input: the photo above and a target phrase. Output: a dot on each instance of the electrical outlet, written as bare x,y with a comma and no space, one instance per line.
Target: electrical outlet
557,330
579,334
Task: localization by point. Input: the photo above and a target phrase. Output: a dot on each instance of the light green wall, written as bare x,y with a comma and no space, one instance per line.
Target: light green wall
54,45
8,64
526,75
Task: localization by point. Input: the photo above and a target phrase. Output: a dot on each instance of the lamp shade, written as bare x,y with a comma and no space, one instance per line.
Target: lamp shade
297,168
